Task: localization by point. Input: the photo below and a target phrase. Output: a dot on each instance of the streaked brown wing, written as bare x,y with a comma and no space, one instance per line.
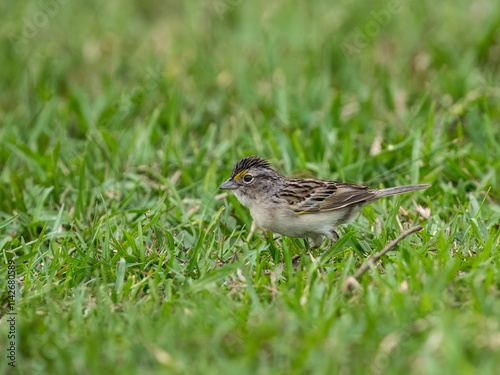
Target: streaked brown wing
314,196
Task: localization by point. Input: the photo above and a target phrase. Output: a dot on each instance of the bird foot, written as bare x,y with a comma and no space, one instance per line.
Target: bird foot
335,238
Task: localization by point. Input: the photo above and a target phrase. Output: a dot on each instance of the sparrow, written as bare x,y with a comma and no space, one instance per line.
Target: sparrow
301,207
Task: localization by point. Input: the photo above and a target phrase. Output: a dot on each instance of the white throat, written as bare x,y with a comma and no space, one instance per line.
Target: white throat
243,199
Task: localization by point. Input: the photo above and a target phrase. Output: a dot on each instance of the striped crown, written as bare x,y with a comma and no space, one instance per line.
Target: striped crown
247,163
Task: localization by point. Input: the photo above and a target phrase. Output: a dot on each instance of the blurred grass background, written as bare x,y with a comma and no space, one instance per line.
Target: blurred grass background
118,120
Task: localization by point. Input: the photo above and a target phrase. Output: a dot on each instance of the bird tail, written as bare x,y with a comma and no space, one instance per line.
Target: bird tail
379,193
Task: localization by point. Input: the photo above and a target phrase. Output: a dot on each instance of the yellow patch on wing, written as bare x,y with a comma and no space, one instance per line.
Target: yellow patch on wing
318,211
241,174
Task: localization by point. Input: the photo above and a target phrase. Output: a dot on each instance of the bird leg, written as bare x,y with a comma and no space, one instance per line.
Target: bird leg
335,237
316,243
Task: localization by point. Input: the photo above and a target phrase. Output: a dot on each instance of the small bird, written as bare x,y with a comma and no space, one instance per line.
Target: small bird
300,207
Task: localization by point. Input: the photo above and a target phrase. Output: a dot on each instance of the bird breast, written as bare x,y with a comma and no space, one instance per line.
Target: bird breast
288,223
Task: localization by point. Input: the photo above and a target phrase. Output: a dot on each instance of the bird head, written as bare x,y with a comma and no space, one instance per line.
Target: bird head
250,177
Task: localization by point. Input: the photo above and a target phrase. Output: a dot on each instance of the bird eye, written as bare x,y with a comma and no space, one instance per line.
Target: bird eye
248,178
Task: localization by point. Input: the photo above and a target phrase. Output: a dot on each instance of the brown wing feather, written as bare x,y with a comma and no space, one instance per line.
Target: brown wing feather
297,191
313,196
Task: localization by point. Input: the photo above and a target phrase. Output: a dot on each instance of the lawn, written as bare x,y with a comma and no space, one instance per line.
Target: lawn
118,122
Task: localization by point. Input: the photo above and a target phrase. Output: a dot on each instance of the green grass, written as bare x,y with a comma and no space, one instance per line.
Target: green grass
119,120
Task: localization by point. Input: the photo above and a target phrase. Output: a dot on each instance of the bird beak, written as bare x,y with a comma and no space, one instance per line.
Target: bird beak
229,185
